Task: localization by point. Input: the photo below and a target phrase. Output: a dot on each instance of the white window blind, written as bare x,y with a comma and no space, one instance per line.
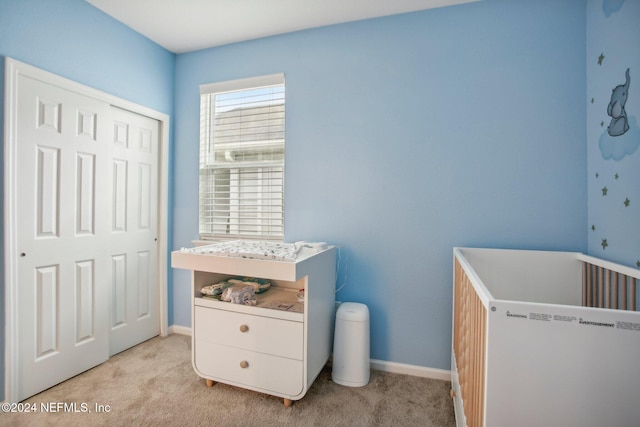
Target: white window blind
242,158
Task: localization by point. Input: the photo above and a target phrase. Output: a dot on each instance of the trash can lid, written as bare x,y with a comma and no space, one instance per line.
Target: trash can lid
353,311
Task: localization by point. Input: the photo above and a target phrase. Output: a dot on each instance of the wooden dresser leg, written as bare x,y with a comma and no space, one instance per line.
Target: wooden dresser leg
288,402
210,383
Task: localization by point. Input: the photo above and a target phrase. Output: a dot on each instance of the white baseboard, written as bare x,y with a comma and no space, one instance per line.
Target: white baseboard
181,330
416,371
379,365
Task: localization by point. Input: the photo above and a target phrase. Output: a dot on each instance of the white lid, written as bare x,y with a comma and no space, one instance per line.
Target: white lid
353,311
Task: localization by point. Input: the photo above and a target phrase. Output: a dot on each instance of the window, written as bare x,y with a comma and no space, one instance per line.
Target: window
242,159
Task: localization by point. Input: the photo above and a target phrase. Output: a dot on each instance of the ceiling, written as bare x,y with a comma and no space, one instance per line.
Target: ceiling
187,25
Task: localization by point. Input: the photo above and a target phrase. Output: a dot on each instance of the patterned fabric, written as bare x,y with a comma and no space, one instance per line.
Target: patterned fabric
273,251
239,294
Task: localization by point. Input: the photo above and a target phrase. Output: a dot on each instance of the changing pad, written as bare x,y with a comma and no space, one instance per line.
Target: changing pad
274,251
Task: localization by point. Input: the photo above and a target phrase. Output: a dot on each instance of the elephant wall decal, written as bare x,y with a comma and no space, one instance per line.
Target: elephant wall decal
619,124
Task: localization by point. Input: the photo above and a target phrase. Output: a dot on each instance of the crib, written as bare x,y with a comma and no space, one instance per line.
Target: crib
544,338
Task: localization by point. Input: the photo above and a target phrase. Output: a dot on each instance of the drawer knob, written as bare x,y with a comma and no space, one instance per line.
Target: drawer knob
244,328
244,364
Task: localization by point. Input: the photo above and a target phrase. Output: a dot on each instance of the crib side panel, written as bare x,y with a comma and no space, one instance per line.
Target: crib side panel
609,285
549,277
469,350
561,365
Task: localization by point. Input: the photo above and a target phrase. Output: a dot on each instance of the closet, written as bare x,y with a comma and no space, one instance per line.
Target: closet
82,205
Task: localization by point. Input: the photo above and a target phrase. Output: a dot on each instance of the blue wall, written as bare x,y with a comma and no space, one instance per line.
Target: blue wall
406,136
75,40
613,38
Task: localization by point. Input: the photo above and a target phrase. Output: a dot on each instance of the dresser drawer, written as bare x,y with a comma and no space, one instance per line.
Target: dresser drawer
248,368
277,337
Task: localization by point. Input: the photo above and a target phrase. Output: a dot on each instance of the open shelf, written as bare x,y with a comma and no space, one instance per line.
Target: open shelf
266,299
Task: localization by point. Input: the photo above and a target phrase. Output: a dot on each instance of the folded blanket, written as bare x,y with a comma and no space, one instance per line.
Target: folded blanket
239,294
259,285
214,289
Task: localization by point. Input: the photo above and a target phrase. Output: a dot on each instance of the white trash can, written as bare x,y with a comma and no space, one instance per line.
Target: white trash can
351,345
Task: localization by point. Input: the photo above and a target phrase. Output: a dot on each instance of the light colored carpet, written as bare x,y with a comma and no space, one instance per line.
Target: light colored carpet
154,384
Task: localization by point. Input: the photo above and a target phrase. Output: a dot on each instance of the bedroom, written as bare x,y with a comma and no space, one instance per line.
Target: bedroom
468,125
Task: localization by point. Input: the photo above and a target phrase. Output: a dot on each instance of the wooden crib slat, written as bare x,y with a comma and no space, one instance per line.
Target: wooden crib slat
471,370
482,351
476,368
460,344
469,343
607,288
615,291
584,284
460,338
589,286
600,287
623,304
473,403
595,286
456,309
633,293
475,380
594,281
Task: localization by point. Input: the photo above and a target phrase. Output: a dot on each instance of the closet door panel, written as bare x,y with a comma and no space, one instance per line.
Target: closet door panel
62,236
134,144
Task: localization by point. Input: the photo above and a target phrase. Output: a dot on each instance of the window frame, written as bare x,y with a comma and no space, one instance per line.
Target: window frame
208,197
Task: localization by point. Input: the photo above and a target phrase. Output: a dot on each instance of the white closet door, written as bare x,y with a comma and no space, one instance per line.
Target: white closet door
62,232
133,225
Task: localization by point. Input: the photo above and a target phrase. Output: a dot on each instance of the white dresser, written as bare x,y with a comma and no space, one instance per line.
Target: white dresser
255,347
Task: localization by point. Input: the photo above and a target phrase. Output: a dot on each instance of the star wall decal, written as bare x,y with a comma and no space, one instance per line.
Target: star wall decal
601,124
604,244
638,263
616,176
597,175
593,227
604,191
600,59
627,202
593,100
